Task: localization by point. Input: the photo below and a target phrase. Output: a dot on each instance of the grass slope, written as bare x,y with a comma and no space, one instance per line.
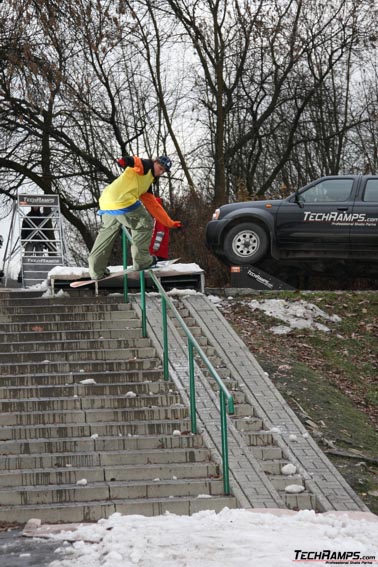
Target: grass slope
329,379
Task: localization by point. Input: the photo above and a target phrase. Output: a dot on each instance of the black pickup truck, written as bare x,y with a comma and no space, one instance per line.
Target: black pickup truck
332,217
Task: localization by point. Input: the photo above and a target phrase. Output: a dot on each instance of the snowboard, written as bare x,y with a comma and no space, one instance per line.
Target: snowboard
159,266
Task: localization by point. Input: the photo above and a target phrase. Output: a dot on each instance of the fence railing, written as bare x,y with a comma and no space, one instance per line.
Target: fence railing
226,400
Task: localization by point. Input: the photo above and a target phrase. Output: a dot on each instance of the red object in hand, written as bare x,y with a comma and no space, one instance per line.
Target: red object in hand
121,162
160,238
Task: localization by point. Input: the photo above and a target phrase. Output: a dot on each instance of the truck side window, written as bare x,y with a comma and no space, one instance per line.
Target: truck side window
328,191
371,191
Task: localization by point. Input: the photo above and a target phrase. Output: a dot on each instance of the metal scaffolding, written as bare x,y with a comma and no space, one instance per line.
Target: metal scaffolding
36,234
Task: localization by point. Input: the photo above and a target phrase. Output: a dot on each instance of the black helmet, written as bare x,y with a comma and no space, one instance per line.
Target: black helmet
165,162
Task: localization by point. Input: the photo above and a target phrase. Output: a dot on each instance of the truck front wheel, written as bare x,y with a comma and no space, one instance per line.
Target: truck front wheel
246,243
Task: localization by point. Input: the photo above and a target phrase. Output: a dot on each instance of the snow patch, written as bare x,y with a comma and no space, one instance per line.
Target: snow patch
289,469
234,538
294,488
295,315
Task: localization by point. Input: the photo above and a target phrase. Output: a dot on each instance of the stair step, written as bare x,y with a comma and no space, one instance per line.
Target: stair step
40,418
195,331
154,456
302,501
72,345
104,429
280,482
82,366
56,309
239,397
69,317
248,424
104,458
70,378
88,390
78,355
258,438
68,335
189,321
60,306
223,372
131,322
55,494
96,474
244,411
92,417
64,404
24,301
267,453
93,511
216,361
88,447
159,472
274,466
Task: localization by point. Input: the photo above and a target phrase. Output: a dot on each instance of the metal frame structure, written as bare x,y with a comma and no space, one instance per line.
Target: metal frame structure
44,246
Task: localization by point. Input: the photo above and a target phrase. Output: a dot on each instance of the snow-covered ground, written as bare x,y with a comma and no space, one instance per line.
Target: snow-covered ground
231,538
295,314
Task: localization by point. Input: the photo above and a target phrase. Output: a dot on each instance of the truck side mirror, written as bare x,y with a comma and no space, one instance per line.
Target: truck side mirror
299,199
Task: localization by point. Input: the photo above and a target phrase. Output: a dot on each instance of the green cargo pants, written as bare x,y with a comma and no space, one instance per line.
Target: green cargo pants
140,224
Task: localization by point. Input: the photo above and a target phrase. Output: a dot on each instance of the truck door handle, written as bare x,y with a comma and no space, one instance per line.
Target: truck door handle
342,208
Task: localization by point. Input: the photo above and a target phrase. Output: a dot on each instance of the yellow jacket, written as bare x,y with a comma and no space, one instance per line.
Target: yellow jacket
133,185
128,187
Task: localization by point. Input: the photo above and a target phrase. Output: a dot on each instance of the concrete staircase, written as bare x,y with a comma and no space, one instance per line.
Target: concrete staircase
88,425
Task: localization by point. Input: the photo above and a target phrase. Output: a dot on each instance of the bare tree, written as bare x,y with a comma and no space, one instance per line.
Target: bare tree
220,33
296,90
362,141
65,98
269,76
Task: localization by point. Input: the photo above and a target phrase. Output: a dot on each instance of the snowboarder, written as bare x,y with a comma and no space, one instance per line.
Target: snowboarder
127,201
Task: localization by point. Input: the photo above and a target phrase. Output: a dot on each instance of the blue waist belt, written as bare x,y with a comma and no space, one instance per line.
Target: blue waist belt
121,211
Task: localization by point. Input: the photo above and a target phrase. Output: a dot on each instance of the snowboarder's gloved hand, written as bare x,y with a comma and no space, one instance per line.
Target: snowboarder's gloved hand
177,224
121,162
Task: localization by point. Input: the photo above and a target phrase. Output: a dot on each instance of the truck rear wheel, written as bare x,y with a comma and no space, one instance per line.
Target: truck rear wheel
245,243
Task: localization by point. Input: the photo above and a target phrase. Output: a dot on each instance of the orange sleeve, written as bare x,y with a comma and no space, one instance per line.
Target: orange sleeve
156,210
138,165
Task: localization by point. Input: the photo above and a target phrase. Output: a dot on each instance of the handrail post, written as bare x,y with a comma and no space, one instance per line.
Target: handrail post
165,337
192,388
124,260
226,480
142,281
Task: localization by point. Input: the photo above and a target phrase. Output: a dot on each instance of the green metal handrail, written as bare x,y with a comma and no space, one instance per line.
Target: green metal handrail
225,398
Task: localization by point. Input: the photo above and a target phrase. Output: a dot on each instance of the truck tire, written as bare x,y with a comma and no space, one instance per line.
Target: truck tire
245,243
